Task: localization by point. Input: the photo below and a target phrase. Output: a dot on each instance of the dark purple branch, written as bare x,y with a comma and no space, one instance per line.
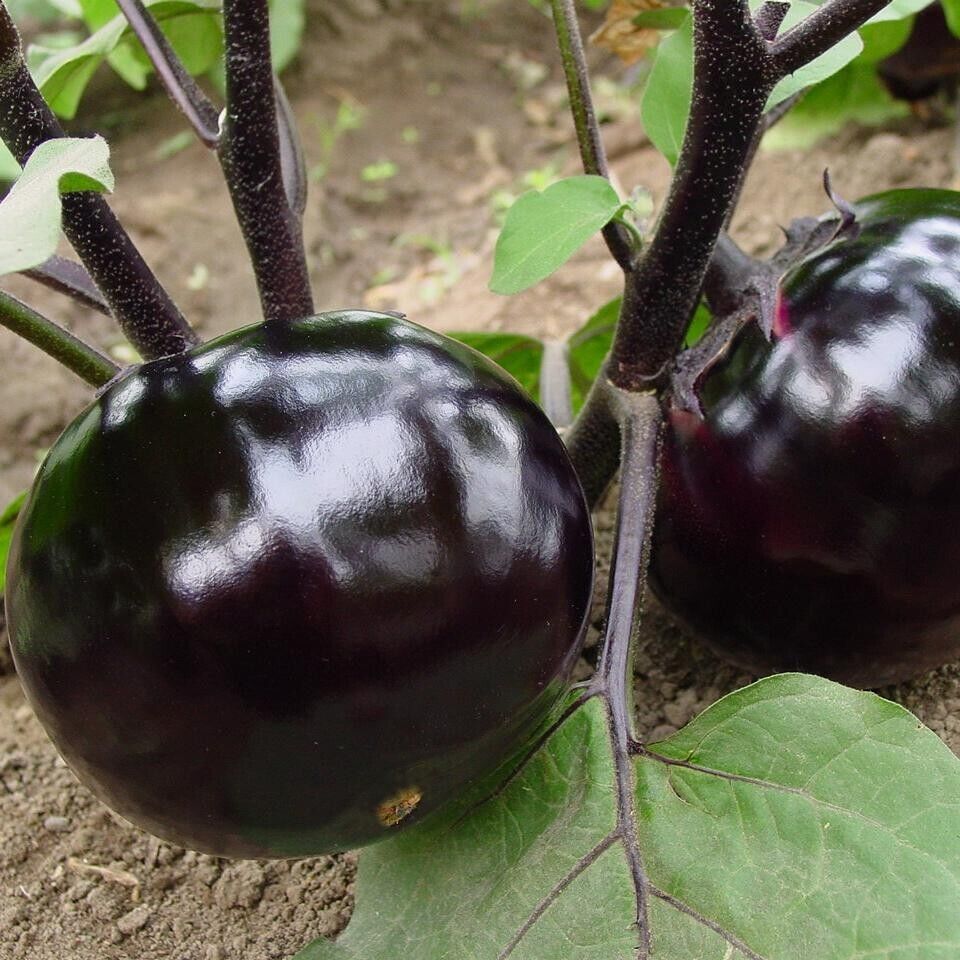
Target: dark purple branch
769,18
592,153
820,31
250,154
180,86
54,340
292,164
728,276
69,278
732,80
142,307
640,418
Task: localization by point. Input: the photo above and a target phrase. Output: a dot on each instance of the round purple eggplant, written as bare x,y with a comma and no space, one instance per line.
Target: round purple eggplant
292,590
809,514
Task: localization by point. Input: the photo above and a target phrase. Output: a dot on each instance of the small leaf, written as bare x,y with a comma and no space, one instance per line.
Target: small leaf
7,520
794,819
669,18
666,97
520,356
543,230
30,213
699,324
62,75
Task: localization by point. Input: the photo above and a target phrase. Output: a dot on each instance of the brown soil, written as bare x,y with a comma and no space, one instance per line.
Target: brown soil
465,99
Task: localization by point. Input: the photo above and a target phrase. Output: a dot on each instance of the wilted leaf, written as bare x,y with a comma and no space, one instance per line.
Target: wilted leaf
621,33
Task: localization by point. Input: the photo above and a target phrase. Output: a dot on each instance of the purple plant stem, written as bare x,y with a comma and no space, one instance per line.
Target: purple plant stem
144,310
69,278
182,89
250,154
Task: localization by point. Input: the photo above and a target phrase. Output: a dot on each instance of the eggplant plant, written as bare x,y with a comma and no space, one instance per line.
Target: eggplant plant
322,582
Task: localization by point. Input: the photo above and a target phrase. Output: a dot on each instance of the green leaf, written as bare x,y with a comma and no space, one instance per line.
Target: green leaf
30,213
543,230
951,9
666,97
7,520
797,818
855,94
666,18
827,64
62,75
287,19
520,356
897,9
9,168
588,347
883,38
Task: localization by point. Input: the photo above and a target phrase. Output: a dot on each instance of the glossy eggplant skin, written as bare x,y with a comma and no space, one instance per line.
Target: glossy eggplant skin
809,513
277,595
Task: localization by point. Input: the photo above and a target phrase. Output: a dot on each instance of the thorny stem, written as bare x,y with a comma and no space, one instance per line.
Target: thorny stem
250,154
592,153
74,354
180,86
142,307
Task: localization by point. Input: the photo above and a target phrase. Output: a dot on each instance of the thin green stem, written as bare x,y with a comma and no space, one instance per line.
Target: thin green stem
74,354
592,154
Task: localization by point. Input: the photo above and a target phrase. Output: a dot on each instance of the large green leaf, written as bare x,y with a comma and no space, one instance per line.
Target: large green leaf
30,212
795,819
544,229
62,74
